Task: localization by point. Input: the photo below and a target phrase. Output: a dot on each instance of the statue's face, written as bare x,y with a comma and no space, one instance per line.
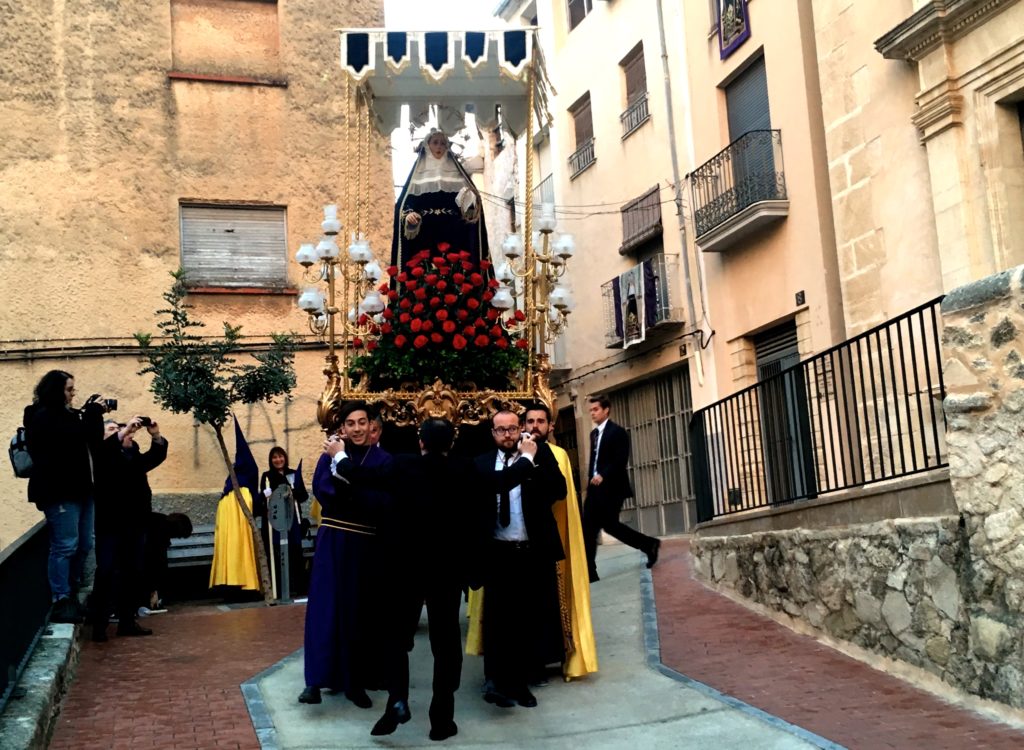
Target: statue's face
438,145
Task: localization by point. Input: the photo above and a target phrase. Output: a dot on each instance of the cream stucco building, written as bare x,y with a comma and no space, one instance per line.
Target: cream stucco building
142,137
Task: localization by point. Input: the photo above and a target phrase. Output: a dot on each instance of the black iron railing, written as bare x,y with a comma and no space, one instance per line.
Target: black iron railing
866,410
636,114
747,171
582,158
25,594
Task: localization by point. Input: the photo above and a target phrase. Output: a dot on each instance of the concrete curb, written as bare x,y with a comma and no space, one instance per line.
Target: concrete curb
28,722
652,647
262,722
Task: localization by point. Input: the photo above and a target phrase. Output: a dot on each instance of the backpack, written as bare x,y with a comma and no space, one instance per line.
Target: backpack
20,458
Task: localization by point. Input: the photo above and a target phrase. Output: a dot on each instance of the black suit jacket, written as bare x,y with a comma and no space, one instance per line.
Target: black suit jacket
431,530
612,463
541,485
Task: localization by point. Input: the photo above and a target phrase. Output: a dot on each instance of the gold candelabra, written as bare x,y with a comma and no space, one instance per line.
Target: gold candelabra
532,297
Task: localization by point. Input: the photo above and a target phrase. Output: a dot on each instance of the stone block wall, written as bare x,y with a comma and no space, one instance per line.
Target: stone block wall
983,348
890,587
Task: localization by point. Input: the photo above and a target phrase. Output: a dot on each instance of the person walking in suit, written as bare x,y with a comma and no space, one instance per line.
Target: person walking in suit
608,487
519,482
427,555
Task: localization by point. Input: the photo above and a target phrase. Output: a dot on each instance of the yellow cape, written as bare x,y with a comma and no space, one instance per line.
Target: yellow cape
573,587
234,558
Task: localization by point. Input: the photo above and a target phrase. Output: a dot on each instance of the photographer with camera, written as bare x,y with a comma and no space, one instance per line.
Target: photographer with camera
61,440
124,502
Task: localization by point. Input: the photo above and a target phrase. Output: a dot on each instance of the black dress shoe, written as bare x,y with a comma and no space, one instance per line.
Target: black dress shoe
395,714
132,628
310,695
443,731
495,696
652,553
594,578
359,697
526,699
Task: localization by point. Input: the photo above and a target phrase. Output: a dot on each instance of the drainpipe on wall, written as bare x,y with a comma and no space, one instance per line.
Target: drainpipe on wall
678,187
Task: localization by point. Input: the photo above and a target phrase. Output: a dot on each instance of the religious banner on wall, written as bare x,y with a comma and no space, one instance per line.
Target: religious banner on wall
733,25
632,301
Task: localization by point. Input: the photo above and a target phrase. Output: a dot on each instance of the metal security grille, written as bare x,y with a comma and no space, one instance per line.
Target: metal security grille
656,413
233,246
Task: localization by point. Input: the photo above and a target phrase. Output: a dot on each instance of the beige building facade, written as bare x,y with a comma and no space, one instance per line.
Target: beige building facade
144,137
610,160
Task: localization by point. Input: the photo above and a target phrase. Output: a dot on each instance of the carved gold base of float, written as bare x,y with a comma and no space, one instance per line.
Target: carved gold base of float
459,405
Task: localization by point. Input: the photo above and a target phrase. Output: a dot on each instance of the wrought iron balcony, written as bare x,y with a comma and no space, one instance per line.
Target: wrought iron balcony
636,114
582,158
739,190
659,300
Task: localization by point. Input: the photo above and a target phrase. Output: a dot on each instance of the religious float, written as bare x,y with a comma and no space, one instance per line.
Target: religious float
441,331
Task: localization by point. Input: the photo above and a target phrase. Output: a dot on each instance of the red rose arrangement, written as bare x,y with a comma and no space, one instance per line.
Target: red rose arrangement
439,324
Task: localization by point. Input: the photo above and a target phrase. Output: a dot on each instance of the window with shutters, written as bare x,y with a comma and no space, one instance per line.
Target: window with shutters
578,10
583,126
641,220
234,246
635,74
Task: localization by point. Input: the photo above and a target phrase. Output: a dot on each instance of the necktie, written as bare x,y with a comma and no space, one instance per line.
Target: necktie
504,504
593,451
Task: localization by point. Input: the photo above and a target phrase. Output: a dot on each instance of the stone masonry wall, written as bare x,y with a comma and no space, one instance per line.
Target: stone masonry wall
984,378
891,587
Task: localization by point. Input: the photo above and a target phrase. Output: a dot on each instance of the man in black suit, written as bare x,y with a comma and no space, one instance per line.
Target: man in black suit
428,555
520,481
609,487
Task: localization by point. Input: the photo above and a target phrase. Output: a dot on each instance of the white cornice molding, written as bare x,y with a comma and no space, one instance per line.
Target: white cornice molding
939,22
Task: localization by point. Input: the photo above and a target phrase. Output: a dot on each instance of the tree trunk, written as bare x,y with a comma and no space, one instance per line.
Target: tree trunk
257,540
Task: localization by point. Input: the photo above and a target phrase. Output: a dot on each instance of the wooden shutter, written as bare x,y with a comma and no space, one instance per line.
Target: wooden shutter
233,246
747,101
582,121
636,74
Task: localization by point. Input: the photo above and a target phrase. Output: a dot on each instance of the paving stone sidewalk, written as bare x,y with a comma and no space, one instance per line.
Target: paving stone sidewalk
721,643
181,687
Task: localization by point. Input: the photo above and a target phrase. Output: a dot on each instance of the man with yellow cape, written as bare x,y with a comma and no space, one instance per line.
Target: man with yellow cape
573,579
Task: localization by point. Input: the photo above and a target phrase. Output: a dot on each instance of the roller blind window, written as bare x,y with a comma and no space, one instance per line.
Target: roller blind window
231,246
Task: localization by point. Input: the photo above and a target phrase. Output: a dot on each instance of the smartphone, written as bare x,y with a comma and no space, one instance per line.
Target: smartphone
145,421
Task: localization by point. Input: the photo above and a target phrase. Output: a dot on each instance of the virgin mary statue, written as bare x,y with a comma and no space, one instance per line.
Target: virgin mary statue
439,203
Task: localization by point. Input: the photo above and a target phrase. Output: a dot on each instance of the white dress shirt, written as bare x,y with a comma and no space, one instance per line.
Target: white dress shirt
516,529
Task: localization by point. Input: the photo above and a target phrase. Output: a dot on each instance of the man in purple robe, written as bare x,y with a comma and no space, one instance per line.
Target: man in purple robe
341,640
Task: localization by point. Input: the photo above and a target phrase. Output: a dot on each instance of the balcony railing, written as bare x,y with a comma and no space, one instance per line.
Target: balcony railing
636,114
544,192
661,306
745,173
864,411
582,158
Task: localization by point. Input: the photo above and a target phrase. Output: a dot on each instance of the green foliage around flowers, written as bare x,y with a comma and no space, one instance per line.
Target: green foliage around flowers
439,324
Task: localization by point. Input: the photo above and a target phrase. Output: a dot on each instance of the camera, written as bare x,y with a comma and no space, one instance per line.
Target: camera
110,404
145,421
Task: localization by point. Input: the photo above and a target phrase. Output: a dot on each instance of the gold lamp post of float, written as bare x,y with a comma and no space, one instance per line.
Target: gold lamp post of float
344,304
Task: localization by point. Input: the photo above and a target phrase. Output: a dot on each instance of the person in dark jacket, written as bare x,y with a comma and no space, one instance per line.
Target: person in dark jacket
281,473
519,481
609,487
124,502
427,554
61,440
